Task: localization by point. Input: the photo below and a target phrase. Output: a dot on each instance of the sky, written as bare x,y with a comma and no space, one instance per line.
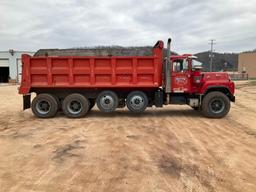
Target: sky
29,25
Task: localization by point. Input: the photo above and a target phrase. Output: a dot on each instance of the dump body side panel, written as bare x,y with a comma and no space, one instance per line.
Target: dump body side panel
92,72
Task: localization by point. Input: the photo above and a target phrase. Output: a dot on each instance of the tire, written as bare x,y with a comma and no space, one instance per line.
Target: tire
58,102
107,101
137,101
44,105
75,105
215,105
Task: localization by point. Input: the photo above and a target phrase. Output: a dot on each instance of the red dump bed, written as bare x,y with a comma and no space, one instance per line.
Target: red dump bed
92,72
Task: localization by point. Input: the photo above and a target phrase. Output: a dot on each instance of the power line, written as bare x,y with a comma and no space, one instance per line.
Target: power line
212,42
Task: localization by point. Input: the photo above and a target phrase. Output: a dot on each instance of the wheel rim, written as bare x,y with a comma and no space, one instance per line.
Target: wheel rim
107,102
217,105
43,107
137,102
75,107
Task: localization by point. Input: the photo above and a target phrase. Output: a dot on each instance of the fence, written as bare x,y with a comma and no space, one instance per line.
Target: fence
239,76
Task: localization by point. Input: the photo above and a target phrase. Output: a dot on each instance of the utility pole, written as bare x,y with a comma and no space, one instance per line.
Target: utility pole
212,42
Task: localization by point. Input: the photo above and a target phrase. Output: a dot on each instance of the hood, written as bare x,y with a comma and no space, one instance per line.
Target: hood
215,76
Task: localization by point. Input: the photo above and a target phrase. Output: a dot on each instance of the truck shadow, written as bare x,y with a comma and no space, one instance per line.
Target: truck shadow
147,113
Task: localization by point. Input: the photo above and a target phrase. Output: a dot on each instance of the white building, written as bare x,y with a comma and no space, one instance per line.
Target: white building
10,65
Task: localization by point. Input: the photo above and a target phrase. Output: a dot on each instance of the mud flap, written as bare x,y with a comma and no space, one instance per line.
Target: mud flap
26,101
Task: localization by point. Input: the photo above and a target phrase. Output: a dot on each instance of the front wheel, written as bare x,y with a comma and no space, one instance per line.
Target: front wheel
215,105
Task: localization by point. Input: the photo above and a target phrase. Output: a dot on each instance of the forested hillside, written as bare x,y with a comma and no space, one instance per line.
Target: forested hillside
221,61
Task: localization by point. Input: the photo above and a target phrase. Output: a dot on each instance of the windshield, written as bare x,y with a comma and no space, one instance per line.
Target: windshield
196,64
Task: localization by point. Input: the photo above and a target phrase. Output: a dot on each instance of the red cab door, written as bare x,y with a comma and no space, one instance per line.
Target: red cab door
180,76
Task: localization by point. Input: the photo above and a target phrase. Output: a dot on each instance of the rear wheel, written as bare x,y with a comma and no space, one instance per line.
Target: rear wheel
44,105
137,101
215,105
58,102
75,105
107,101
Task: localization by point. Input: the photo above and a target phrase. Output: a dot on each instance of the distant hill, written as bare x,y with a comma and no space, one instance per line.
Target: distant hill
221,61
251,51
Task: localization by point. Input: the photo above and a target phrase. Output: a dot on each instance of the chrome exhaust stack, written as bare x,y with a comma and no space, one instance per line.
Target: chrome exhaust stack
168,67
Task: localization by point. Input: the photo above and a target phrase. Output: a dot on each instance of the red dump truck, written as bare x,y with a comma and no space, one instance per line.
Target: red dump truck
73,84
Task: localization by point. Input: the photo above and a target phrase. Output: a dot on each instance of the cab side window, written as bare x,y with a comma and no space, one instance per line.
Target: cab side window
177,65
180,65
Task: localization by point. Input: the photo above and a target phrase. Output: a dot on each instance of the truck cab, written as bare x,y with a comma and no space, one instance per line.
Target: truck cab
210,92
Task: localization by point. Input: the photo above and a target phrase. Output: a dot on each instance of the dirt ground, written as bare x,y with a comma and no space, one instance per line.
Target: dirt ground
169,149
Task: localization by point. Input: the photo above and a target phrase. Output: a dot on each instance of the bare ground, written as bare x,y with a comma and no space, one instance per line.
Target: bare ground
169,149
